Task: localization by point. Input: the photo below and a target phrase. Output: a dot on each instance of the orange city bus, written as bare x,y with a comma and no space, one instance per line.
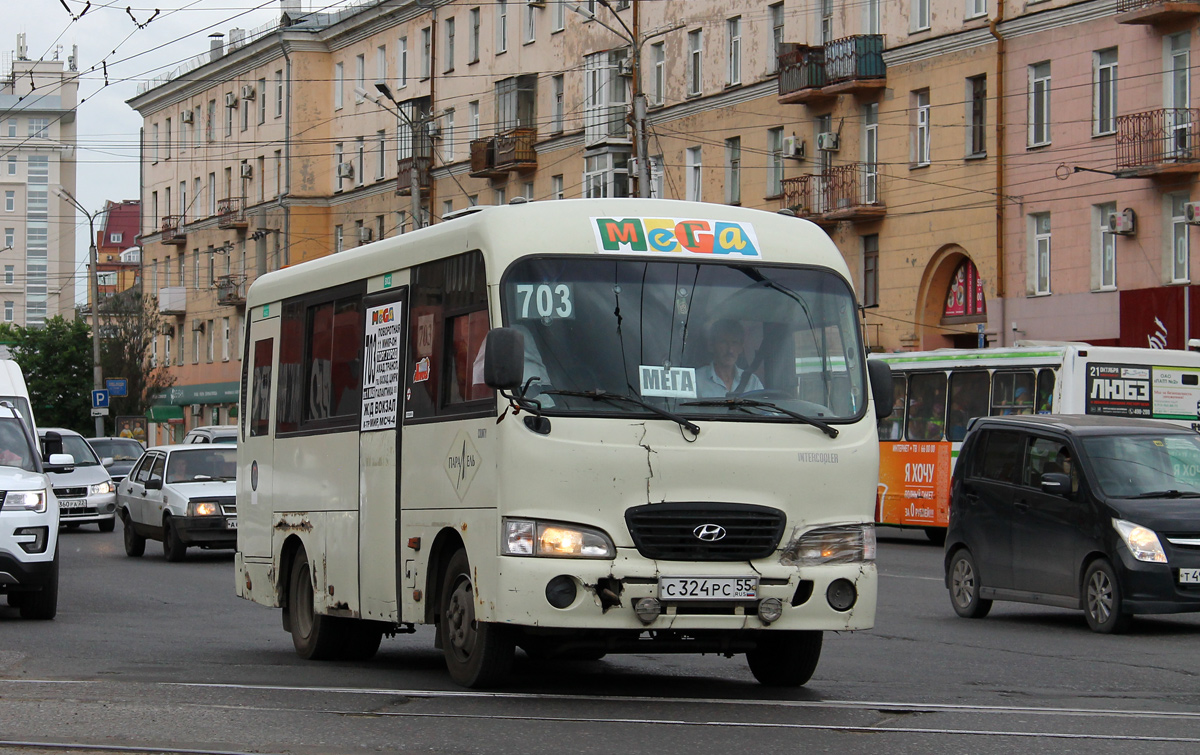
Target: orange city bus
938,392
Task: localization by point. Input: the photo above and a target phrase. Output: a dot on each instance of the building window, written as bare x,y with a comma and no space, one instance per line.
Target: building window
360,163
1039,104
381,64
920,15
426,52
154,143
606,175
560,15
733,33
658,55
870,270
826,21
501,26
339,239
1104,92
977,116
873,22
1104,261
976,8
8,311
501,196
530,24
360,77
473,118
733,170
261,93
279,94
556,187
605,97
695,62
473,42
870,151
1180,247
694,174
39,128
516,102
10,239
921,137
339,74
381,144
448,136
448,53
402,64
556,120
776,15
1040,223
339,158
10,201
9,273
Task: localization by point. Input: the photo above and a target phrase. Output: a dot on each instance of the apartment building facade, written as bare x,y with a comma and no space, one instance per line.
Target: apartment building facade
118,258
38,99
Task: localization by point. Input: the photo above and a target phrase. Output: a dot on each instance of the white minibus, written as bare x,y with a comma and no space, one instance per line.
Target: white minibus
576,428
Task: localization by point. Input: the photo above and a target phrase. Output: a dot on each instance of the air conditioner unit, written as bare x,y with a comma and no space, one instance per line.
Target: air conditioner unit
197,326
345,170
793,147
828,141
364,235
247,91
1192,211
433,129
247,170
1123,223
536,3
231,99
625,67
187,116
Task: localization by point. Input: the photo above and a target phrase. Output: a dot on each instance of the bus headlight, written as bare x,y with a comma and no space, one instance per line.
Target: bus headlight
846,544
529,537
26,500
100,488
1140,541
204,508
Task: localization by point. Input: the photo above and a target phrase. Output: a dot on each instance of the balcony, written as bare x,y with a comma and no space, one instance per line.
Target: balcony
231,213
483,159
404,175
514,150
846,192
171,233
1158,143
854,65
801,75
1156,12
231,290
172,300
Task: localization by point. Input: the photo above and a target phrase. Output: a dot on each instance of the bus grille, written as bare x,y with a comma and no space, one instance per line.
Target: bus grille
669,531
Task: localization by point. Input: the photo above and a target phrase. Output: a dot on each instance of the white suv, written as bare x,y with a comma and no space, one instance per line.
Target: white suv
28,520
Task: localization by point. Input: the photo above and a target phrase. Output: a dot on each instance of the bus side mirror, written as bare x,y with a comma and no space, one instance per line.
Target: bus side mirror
504,359
882,388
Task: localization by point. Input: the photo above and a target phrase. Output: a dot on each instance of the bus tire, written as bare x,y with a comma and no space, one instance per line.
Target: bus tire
362,640
478,654
936,535
316,637
785,659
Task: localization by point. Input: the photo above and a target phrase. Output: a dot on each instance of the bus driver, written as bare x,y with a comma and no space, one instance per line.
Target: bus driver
723,376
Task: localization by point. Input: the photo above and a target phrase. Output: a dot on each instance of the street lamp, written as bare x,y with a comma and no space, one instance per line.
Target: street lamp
414,182
97,372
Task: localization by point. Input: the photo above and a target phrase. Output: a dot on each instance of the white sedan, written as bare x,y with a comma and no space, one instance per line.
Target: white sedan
183,495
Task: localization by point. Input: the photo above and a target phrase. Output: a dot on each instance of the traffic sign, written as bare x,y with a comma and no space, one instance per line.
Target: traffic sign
102,412
100,399
117,387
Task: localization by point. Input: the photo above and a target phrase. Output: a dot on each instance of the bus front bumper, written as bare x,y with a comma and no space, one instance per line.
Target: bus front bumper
611,595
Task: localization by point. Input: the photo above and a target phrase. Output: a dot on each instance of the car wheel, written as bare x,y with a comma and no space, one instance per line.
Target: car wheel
135,544
108,525
315,637
785,659
173,548
43,604
1102,600
964,587
478,654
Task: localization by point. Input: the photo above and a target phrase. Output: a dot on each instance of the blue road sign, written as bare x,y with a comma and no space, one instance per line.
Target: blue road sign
117,387
100,399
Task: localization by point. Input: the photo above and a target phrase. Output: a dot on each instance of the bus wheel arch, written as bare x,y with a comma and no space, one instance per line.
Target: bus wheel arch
287,554
445,545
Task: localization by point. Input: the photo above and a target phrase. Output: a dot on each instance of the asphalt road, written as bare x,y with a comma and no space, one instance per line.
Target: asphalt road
147,656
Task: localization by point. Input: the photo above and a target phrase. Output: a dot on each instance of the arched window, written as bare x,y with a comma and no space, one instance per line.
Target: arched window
964,296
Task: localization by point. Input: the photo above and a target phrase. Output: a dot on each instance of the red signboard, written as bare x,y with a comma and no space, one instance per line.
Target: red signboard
965,295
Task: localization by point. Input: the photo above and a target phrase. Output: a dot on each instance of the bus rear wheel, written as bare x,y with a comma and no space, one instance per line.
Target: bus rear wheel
478,654
315,636
785,659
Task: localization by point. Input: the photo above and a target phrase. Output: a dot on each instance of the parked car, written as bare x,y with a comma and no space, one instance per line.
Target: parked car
182,495
118,454
212,434
1094,513
86,494
29,517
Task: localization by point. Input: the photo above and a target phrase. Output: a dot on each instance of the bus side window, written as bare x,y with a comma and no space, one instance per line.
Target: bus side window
968,399
260,388
1012,393
1045,391
892,428
926,406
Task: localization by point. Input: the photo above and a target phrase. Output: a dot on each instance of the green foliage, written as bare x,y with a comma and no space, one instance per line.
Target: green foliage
57,362
128,324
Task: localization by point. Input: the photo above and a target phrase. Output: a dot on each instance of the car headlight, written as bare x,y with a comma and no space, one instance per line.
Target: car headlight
100,488
529,537
25,500
847,544
1140,541
204,508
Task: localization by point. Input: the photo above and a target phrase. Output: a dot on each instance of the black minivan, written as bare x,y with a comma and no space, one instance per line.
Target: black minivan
1098,513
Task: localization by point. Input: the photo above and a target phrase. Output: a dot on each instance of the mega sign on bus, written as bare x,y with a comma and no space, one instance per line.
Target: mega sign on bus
675,236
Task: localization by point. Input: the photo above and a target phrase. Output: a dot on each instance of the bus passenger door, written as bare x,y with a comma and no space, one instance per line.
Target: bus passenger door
256,438
384,346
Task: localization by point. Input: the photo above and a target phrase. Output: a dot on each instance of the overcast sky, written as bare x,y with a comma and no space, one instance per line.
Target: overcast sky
135,45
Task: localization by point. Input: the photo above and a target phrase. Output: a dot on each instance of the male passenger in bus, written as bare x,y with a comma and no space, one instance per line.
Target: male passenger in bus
722,376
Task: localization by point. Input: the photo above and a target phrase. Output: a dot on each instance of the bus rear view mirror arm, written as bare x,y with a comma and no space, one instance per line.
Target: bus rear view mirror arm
882,387
504,359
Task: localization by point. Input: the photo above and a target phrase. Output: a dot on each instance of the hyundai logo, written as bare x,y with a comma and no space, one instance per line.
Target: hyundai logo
709,533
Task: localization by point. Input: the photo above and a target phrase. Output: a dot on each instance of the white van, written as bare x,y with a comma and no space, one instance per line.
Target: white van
13,389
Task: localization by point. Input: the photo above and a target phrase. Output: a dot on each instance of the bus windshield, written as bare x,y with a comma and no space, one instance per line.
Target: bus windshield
687,337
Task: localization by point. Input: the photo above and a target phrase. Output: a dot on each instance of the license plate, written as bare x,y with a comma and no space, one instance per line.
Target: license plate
71,503
708,588
1189,576
232,523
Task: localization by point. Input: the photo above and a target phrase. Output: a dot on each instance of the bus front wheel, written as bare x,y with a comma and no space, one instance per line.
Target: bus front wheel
478,654
785,659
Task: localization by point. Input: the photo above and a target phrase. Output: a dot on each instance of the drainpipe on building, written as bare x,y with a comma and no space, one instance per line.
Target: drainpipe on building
287,156
433,37
994,28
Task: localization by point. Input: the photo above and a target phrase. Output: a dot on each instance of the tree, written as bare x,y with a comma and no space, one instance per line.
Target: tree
129,323
57,362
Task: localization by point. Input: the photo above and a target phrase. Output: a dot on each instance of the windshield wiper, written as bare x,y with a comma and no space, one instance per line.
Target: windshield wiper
602,395
1165,494
739,403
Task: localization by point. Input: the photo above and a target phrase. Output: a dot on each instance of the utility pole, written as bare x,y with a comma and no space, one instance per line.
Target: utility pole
414,181
94,286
